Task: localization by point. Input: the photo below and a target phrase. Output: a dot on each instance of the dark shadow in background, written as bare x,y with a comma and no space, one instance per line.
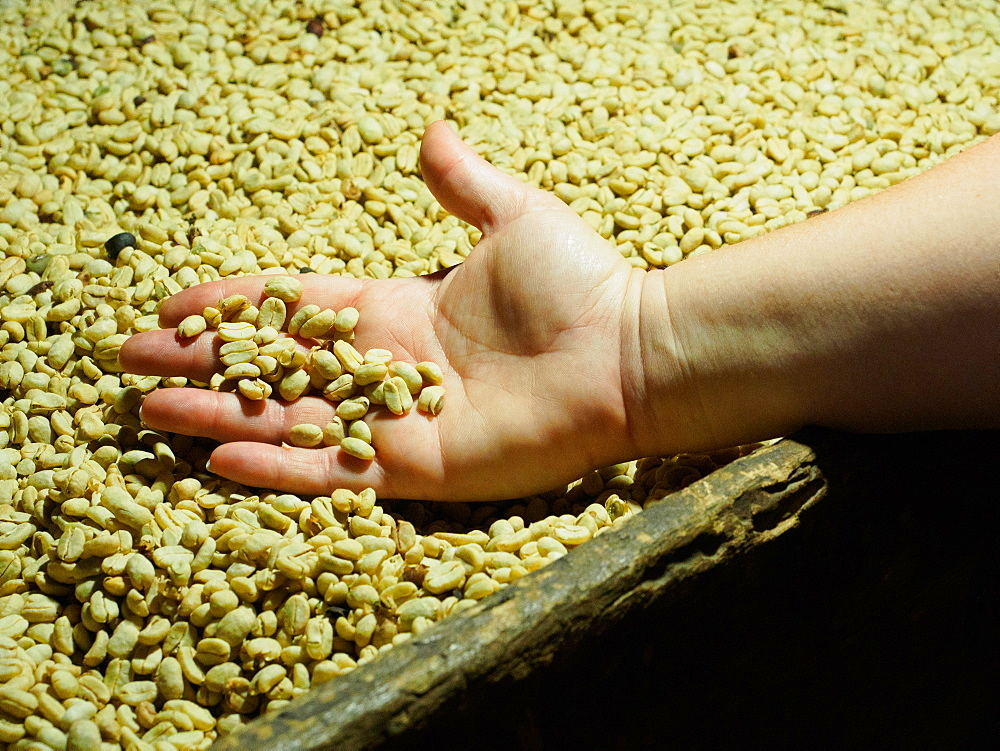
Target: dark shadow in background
874,623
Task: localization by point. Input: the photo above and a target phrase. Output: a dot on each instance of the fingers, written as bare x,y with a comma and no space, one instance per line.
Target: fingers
395,312
408,460
163,353
252,433
318,289
470,187
296,470
229,417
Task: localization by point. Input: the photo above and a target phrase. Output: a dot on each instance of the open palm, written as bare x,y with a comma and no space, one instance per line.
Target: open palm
528,331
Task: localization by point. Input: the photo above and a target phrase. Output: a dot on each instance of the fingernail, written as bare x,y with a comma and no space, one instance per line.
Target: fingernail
141,406
208,466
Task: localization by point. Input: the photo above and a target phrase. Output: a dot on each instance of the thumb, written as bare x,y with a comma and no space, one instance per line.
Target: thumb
470,187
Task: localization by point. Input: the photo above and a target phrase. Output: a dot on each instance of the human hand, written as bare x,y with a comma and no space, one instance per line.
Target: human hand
535,332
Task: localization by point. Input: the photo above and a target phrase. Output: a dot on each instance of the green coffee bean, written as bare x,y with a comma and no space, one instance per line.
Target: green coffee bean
191,326
358,448
306,435
283,288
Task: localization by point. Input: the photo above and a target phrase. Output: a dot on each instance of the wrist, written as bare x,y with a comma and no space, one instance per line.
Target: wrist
714,363
658,392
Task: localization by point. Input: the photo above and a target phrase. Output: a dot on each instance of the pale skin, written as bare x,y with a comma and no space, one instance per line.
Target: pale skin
560,357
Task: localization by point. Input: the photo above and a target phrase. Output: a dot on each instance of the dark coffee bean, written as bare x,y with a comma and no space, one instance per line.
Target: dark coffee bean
118,243
316,26
415,573
333,612
40,287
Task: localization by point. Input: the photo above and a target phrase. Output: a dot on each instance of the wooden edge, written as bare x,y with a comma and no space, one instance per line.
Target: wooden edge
509,634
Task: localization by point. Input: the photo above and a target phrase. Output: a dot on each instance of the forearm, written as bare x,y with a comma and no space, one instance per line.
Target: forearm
881,316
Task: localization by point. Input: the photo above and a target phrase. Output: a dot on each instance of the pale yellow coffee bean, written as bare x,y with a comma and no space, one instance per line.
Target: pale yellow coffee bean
430,372
276,348
212,316
376,392
212,651
272,314
358,448
370,129
361,595
266,335
317,325
397,396
349,357
325,364
477,589
549,545
136,692
263,648
431,400
300,317
191,326
83,735
242,350
293,385
348,549
267,678
254,389
39,608
241,370
391,396
284,288
306,435
219,676
571,534
346,320
370,373
445,577
249,314
360,429
291,358
17,703
236,621
319,641
232,306
109,346
413,380
382,356
353,409
340,388
269,367
473,555
124,508
233,331
334,432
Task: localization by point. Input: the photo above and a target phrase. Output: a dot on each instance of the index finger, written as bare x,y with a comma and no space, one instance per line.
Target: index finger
319,289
